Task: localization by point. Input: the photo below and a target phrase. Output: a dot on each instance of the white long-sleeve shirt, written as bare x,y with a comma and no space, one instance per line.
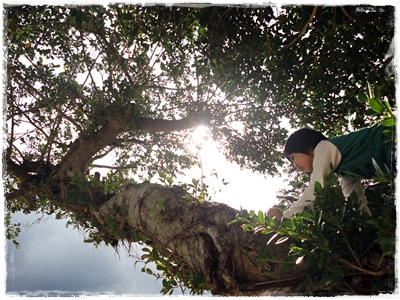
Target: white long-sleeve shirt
325,154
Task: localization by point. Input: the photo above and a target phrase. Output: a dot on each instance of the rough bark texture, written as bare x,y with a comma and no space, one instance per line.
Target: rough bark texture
197,235
84,148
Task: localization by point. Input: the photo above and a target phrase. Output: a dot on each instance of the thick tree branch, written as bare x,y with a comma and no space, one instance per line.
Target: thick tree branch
85,147
202,241
121,142
18,170
29,174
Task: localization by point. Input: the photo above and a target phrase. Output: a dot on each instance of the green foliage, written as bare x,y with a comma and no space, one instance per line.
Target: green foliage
197,191
235,63
381,107
114,181
77,192
172,275
12,230
166,177
333,239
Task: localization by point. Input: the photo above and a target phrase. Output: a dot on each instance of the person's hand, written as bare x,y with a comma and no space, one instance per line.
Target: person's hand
275,212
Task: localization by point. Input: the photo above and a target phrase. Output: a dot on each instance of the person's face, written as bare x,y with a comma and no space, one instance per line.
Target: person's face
303,162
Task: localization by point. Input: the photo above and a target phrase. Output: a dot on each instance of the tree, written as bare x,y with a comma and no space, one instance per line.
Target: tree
85,82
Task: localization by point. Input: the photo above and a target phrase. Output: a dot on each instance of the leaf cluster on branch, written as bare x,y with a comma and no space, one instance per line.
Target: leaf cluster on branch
343,251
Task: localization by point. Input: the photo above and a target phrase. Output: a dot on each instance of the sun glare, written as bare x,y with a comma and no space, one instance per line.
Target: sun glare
199,138
199,135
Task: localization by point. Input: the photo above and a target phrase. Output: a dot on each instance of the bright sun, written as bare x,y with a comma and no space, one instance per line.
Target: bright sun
199,138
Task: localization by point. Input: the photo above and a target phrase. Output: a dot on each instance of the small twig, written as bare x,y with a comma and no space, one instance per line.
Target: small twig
12,127
34,92
19,151
115,52
164,88
89,74
279,280
334,22
380,262
352,252
52,137
111,167
304,28
347,14
31,122
220,19
380,273
349,287
102,155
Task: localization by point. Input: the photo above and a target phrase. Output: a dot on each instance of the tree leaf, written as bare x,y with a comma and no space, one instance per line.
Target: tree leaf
261,219
376,105
362,98
389,122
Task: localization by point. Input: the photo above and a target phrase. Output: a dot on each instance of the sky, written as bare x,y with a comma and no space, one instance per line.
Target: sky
53,258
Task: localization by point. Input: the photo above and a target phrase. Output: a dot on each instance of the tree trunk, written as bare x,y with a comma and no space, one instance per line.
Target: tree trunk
197,236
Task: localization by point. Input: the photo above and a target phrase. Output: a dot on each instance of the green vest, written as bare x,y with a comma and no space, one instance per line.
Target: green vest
358,148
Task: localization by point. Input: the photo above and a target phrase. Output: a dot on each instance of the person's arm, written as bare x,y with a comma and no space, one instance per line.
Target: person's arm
275,212
354,185
325,154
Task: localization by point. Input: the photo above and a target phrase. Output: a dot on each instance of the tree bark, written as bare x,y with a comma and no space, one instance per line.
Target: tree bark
84,148
197,235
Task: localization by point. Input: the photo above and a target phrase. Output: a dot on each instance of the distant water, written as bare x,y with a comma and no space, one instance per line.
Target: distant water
84,294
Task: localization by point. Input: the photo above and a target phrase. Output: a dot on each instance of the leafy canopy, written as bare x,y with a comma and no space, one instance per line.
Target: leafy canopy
71,67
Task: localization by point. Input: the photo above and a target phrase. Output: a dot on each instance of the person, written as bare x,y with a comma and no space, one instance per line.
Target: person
351,156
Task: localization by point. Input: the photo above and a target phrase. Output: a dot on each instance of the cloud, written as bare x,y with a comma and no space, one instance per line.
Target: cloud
53,257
